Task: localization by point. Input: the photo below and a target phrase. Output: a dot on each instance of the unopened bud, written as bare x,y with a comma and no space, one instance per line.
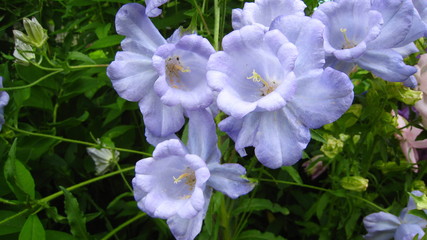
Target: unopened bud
36,35
355,183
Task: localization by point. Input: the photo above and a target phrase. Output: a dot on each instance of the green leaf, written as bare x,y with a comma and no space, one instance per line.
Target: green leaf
257,235
12,226
32,229
118,131
80,57
57,235
321,205
258,204
418,213
73,121
293,173
76,219
108,41
18,177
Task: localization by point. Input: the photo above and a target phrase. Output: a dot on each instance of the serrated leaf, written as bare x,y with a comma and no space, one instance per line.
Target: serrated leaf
32,229
76,219
258,204
257,235
108,41
18,177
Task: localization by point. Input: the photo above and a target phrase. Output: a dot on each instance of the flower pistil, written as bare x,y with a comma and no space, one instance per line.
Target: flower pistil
267,88
173,67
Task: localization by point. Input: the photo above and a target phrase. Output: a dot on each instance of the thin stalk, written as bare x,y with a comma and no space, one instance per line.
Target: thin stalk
217,12
33,83
123,225
76,141
87,182
325,190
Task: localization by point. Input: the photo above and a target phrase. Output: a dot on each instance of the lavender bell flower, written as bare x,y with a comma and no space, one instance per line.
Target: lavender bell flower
4,100
367,33
158,74
385,226
274,87
263,12
176,183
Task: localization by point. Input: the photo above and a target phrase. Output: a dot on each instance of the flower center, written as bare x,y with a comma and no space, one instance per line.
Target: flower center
173,70
190,180
348,43
267,88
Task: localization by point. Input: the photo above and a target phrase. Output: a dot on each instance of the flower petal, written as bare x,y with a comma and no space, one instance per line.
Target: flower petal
380,226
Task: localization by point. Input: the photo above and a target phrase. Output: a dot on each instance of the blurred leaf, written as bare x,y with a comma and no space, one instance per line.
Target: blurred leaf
12,226
118,131
18,177
73,121
108,41
76,219
80,57
258,204
32,229
257,235
57,235
293,173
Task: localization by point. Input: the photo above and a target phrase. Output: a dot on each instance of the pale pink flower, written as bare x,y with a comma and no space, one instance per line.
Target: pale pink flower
408,142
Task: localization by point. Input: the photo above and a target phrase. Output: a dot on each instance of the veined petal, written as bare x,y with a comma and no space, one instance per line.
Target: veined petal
132,75
380,226
321,97
152,9
188,229
386,64
397,16
202,139
132,22
280,138
227,178
303,32
263,12
161,120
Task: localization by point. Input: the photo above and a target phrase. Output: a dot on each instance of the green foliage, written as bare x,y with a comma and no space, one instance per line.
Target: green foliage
32,229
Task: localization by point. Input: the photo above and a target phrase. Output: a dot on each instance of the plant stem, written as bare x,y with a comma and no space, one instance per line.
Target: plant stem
76,141
33,83
123,225
217,12
325,190
92,180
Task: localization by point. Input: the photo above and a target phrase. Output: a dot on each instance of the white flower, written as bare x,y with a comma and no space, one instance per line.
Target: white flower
103,158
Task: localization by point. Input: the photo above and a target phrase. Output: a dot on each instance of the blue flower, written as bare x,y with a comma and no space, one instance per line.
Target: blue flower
274,87
366,33
159,74
384,226
176,183
263,12
4,100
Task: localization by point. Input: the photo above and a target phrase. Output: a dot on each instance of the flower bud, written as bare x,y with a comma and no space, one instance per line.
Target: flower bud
103,158
355,183
404,94
333,146
36,34
23,52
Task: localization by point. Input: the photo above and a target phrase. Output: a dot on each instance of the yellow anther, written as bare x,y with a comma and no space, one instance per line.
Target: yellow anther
267,88
348,44
173,68
182,176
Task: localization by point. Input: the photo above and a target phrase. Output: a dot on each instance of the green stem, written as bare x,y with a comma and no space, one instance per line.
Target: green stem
123,225
88,66
123,177
92,180
216,24
325,190
76,141
33,83
5,201
14,216
205,25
